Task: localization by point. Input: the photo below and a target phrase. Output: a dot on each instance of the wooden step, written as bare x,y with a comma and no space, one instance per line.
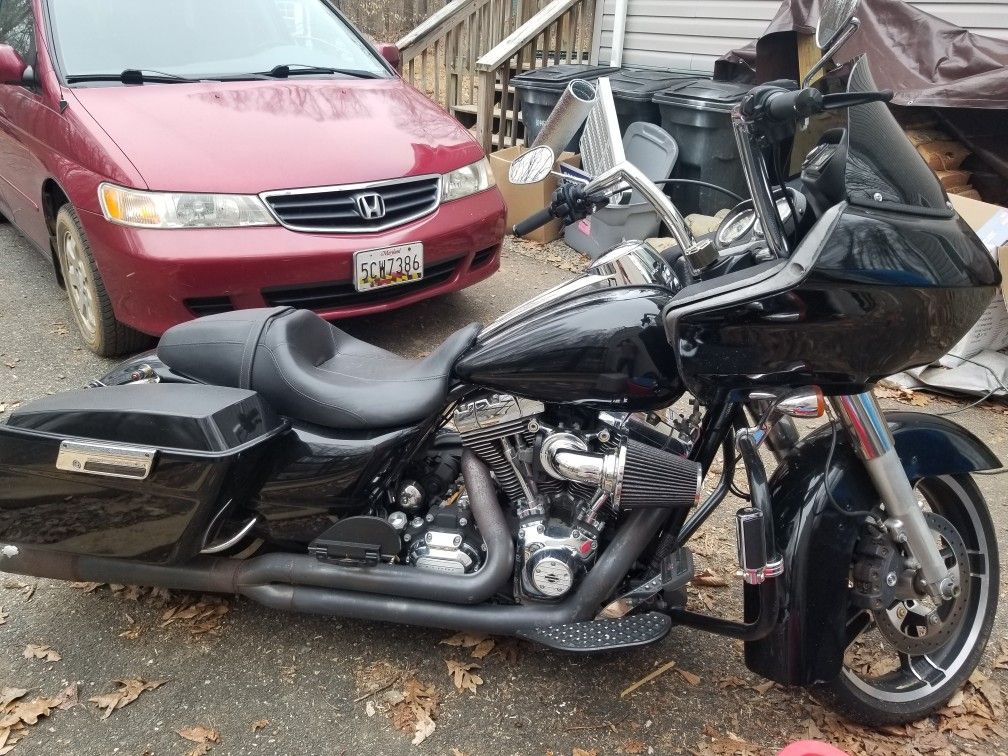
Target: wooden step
495,139
473,110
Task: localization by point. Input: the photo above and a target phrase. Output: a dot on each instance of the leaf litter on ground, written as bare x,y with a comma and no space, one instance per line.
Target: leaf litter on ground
45,653
463,675
18,715
129,690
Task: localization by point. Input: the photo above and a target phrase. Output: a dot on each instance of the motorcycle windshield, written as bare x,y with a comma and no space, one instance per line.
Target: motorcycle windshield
883,168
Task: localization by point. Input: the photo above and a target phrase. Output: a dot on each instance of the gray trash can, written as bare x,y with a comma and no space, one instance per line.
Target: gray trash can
539,90
634,90
698,115
654,151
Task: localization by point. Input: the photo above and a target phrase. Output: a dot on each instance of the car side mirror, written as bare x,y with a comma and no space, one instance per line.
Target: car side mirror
391,55
13,70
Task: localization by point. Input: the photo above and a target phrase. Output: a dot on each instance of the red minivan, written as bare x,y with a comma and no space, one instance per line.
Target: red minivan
183,157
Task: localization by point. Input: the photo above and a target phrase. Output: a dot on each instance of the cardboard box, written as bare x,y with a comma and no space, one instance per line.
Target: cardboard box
523,200
991,331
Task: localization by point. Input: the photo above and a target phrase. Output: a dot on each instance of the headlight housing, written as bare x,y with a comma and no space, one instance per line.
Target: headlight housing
468,180
143,209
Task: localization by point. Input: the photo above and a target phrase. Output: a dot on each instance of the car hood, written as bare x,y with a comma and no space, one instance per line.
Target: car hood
254,136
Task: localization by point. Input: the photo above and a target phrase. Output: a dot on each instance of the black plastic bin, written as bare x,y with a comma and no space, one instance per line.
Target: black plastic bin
698,114
634,90
538,92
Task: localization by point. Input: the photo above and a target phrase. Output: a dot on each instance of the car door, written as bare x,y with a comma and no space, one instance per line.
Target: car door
21,111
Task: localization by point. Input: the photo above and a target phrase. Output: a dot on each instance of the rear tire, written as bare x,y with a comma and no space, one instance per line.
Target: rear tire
89,301
919,685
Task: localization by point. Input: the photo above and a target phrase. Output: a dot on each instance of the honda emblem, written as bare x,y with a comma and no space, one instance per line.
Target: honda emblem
370,205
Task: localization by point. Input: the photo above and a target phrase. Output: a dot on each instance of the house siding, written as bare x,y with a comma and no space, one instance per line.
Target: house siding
692,34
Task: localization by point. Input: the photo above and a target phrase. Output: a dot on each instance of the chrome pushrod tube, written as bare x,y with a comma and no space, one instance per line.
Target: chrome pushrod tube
627,173
862,418
759,184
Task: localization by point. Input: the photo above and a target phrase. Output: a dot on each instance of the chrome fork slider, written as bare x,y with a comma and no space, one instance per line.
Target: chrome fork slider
862,418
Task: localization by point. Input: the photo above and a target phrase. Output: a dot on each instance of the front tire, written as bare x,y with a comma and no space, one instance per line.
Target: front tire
882,685
89,301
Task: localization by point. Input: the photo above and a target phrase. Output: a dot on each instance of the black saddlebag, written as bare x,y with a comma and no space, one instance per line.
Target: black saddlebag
132,471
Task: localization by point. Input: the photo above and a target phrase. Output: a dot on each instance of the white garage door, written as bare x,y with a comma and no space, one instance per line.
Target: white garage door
692,34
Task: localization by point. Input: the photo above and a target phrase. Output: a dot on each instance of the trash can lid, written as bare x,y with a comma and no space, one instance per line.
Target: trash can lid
703,94
641,84
558,77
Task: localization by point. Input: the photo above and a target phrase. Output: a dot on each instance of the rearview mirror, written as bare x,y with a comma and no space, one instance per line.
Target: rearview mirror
533,166
835,18
391,55
12,68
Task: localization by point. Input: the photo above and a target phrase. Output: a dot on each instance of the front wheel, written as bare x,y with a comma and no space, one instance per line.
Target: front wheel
90,303
906,660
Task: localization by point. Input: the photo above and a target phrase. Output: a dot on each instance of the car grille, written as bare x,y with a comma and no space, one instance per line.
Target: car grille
335,208
329,296
209,305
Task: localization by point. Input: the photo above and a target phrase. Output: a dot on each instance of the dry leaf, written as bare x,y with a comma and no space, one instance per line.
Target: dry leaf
66,698
763,687
634,746
465,640
423,729
128,692
582,752
200,734
260,724
9,695
463,675
483,648
87,587
46,653
689,677
4,614
709,579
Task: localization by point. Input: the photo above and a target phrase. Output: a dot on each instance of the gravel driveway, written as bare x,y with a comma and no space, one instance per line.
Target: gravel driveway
266,682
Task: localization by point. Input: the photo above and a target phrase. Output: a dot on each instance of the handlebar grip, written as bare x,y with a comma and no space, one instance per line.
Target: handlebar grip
789,106
533,222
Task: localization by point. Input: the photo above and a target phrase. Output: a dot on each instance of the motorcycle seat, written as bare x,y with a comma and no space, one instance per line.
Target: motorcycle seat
308,369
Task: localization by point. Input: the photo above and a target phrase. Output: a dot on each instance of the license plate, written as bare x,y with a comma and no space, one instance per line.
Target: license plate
389,266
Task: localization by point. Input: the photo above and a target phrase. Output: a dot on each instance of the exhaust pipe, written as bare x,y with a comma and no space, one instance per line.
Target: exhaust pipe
221,575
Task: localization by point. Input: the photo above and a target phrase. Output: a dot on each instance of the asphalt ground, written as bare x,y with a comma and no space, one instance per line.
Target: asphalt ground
275,683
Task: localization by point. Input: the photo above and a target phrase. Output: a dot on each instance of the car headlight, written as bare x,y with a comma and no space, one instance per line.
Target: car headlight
133,207
468,180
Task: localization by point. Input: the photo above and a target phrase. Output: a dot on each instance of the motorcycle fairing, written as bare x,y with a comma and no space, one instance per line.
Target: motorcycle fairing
817,542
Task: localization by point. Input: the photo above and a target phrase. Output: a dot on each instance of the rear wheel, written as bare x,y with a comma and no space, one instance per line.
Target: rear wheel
89,302
906,660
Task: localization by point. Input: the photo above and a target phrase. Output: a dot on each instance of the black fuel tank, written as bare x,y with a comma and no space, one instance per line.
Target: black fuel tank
605,347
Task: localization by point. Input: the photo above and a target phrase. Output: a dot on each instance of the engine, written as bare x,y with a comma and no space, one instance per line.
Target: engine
566,478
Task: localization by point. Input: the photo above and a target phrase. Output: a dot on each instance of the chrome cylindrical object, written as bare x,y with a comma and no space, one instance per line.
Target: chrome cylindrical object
569,114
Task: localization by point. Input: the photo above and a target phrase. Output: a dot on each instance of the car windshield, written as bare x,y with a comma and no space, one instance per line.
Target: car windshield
206,38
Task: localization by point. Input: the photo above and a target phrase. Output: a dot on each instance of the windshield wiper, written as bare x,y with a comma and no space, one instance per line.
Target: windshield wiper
303,69
132,76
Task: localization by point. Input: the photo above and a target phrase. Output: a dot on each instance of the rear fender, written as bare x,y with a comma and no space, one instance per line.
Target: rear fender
817,542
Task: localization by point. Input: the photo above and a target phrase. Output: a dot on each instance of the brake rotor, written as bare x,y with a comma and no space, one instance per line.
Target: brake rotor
918,626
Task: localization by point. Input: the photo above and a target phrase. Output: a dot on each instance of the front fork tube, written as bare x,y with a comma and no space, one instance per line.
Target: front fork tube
862,418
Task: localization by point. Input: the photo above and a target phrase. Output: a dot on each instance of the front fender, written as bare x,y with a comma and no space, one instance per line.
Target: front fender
817,542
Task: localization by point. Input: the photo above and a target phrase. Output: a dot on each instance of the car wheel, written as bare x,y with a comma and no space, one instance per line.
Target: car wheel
89,302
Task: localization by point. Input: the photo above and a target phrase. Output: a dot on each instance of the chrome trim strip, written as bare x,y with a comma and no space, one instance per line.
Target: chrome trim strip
109,460
308,191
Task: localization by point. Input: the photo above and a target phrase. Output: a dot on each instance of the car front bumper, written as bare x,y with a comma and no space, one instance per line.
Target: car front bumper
157,278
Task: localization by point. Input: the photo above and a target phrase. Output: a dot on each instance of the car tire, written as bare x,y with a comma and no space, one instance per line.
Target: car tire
89,301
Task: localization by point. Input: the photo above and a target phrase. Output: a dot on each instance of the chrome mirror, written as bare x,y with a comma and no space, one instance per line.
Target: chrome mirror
835,18
532,166
836,25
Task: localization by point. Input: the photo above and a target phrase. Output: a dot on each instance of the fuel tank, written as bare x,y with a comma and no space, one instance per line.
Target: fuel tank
605,347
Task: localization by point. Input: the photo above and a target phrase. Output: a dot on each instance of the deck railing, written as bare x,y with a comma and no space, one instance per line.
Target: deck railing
560,32
439,56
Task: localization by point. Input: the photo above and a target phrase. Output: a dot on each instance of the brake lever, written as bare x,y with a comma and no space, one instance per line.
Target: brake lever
850,99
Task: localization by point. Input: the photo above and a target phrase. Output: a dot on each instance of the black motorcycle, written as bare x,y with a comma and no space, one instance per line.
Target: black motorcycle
525,478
